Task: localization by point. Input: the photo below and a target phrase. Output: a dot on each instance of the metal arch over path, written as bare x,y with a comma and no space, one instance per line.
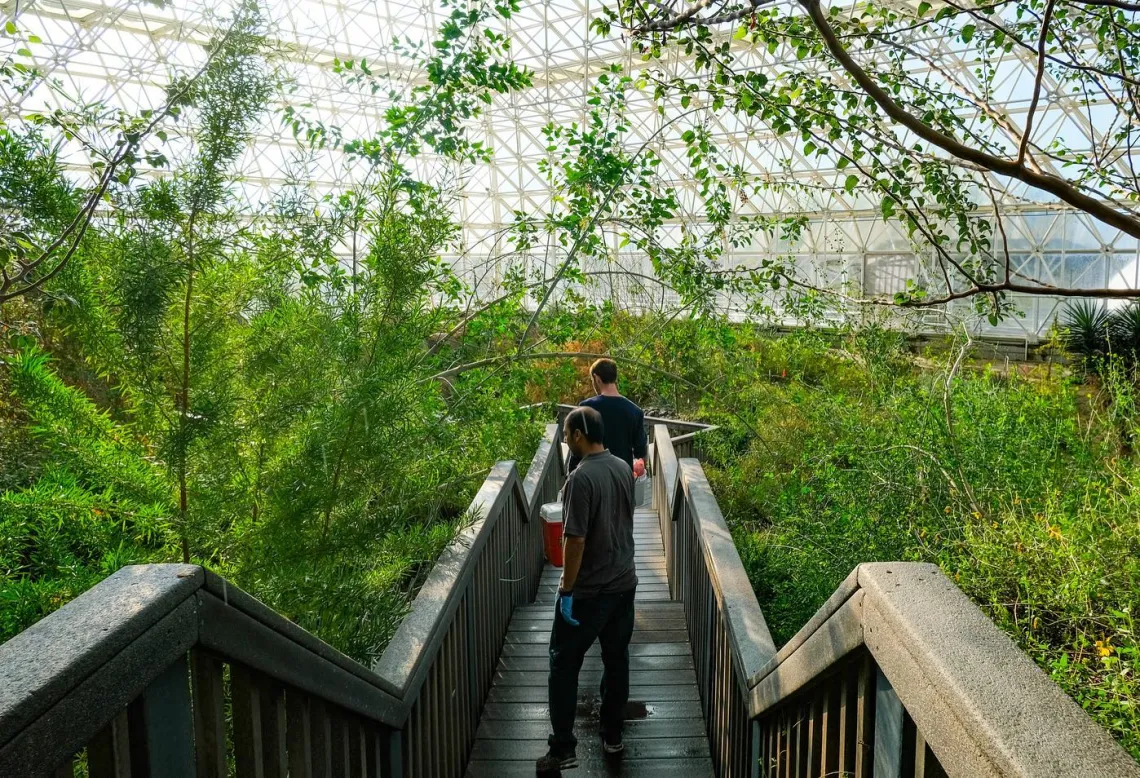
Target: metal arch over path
168,670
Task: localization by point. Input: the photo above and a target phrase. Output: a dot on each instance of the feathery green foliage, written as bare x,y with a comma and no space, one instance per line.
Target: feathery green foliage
194,387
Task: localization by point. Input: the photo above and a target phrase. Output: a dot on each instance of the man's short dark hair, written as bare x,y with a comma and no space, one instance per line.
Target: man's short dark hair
605,370
587,421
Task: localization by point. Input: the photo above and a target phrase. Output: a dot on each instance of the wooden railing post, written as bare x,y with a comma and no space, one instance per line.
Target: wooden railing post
209,715
162,726
755,752
109,753
391,758
888,729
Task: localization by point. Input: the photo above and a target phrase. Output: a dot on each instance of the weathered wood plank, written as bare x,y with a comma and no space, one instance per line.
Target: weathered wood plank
648,695
543,625
594,663
630,768
209,715
641,596
530,711
594,677
671,636
634,730
651,748
662,609
247,718
635,649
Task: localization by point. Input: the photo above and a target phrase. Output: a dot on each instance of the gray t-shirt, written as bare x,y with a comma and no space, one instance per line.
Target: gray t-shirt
597,504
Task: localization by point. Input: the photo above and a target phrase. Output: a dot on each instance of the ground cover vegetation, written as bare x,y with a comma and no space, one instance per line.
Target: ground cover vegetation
1019,481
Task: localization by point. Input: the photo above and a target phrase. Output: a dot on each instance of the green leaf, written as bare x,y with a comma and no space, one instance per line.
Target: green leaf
888,208
10,28
968,32
923,8
741,33
852,182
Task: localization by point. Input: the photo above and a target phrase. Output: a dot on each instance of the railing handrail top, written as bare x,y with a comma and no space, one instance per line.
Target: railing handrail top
164,605
405,660
982,704
43,663
666,465
692,435
751,639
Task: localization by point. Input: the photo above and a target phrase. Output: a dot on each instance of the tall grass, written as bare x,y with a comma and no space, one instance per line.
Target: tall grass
1021,484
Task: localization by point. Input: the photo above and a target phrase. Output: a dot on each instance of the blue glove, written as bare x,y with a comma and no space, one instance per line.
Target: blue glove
565,607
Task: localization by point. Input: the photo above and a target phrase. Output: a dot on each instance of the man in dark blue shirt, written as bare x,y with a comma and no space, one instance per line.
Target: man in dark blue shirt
624,421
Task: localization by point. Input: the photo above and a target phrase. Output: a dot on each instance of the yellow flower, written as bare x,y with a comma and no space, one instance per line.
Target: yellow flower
1054,532
1103,648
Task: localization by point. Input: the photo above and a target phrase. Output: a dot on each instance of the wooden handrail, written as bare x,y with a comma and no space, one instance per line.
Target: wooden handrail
898,656
751,640
111,670
417,639
982,705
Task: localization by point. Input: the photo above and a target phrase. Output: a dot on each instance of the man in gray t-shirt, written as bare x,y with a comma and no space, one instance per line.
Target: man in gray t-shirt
595,597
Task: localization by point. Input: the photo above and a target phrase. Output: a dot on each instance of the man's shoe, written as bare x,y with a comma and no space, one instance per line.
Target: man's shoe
556,759
612,744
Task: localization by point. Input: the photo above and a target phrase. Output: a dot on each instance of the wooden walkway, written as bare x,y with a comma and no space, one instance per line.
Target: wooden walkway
664,734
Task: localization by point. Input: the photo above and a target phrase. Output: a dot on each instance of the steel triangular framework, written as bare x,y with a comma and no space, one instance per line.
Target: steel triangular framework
122,53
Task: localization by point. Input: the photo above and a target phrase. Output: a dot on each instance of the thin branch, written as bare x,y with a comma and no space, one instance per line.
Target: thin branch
1041,42
1054,185
572,254
82,220
1124,6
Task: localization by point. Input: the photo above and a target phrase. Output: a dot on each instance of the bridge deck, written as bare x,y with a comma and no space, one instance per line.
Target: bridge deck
664,735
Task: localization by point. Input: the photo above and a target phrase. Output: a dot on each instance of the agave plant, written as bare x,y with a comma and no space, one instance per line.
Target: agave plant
1086,325
1124,332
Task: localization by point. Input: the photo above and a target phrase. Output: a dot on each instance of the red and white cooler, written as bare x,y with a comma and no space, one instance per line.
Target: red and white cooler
552,532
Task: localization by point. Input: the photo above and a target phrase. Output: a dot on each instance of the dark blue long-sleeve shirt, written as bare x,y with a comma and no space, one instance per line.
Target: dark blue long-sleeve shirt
624,428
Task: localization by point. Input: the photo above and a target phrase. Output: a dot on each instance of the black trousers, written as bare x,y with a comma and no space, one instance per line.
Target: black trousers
607,618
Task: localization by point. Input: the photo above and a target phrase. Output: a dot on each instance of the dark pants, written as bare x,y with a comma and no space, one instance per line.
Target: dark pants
609,619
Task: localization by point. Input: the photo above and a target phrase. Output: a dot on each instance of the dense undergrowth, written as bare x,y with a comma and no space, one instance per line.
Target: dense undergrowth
1020,482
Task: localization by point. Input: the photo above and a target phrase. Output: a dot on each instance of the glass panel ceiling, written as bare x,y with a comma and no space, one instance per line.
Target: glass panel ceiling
123,53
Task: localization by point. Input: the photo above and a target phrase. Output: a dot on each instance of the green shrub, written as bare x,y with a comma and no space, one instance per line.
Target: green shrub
1020,487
